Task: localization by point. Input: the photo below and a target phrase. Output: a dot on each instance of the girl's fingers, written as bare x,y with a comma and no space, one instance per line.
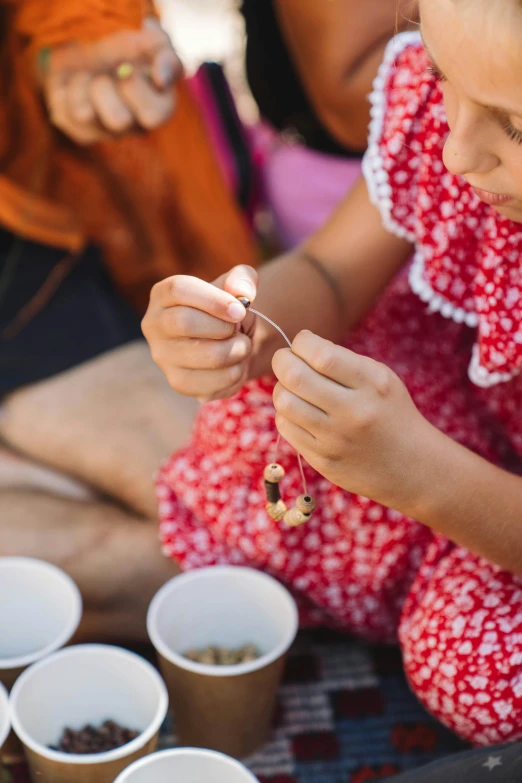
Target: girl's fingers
241,281
332,361
195,293
304,382
110,108
248,326
296,436
296,410
224,394
206,383
208,354
187,322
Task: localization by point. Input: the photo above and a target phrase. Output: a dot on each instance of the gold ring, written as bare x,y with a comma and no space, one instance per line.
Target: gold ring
124,71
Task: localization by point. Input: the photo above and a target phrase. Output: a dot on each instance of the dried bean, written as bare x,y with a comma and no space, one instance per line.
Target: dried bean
223,656
89,739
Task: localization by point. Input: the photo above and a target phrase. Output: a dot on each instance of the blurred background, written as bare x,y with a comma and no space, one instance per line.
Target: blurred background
205,30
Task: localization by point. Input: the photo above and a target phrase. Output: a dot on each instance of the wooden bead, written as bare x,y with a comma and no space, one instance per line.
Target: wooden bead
276,510
294,517
274,473
273,493
305,504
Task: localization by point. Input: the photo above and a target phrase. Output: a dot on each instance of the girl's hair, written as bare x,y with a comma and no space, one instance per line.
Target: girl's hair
407,15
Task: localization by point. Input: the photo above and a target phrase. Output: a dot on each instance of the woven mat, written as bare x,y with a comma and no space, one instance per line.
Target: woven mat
345,716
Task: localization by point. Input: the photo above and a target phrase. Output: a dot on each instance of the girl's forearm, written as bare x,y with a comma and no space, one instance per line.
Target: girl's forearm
294,294
470,501
357,259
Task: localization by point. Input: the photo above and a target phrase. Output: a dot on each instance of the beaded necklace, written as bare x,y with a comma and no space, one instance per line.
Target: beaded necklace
274,472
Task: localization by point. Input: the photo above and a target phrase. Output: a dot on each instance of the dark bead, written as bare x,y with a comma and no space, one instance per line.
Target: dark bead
272,492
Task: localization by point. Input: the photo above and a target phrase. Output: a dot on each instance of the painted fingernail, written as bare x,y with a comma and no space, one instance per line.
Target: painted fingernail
236,311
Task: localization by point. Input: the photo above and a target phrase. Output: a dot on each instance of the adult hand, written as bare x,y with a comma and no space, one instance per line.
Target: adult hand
352,419
200,335
90,97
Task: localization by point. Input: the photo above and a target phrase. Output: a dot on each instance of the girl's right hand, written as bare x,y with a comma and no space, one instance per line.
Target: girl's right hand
200,335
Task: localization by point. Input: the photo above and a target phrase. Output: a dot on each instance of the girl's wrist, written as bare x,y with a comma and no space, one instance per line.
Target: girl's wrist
429,474
441,474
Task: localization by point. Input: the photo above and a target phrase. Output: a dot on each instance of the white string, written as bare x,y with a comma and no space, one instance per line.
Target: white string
276,450
299,460
300,463
272,323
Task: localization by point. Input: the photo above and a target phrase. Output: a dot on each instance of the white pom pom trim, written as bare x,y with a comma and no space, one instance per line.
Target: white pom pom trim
374,172
480,376
436,303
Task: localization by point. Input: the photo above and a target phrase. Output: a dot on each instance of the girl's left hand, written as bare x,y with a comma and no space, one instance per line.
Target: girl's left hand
352,419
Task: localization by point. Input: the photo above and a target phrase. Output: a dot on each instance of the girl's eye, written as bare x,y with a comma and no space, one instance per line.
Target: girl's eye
513,133
434,71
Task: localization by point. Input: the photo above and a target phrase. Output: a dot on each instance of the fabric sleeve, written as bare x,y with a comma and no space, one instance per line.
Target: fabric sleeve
42,23
399,103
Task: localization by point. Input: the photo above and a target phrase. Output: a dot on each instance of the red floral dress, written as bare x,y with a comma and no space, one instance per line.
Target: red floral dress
451,327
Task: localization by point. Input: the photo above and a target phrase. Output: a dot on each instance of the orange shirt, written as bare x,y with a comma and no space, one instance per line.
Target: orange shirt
156,202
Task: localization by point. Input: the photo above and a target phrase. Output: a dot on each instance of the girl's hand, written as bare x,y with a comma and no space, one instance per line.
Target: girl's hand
89,101
352,419
200,335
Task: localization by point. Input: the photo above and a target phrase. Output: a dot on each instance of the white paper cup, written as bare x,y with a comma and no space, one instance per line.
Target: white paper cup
187,765
225,708
5,724
87,684
40,610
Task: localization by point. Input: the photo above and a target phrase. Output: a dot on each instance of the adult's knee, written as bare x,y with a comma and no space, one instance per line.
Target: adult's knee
20,473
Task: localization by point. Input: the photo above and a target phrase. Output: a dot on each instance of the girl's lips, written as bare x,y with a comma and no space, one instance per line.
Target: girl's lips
494,199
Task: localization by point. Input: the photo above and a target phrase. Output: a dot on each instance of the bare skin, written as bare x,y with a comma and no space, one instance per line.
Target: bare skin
76,482
337,48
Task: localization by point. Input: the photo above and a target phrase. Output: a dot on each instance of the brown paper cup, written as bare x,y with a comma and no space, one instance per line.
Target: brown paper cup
40,613
187,765
87,684
224,708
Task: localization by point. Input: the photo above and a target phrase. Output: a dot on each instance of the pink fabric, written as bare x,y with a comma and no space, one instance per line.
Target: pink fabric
202,91
302,187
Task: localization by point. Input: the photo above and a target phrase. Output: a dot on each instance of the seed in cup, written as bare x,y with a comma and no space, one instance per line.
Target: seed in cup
90,739
222,656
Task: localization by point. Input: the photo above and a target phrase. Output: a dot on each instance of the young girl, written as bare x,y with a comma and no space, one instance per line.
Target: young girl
412,433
